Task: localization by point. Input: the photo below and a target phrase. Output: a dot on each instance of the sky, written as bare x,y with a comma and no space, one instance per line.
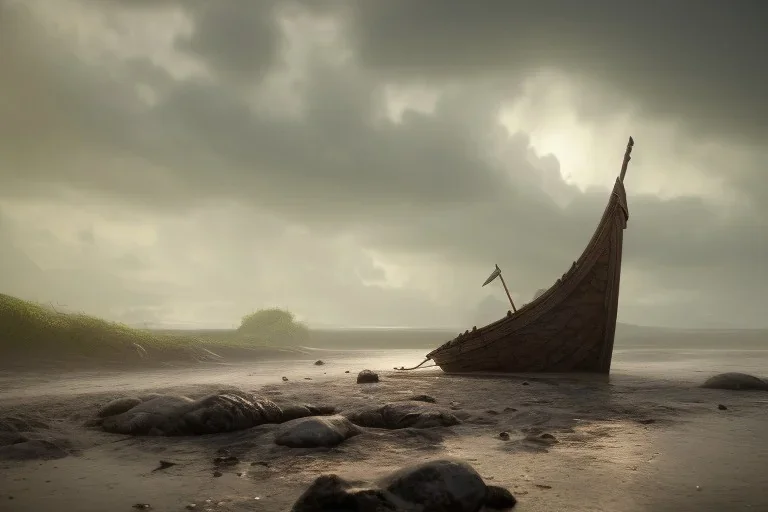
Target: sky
366,163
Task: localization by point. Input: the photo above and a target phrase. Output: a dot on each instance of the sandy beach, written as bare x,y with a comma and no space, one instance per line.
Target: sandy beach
631,442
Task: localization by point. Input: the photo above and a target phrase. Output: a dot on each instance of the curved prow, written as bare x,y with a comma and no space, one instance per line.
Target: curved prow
627,158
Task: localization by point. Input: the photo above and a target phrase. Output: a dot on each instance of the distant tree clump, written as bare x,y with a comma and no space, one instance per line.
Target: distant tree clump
273,325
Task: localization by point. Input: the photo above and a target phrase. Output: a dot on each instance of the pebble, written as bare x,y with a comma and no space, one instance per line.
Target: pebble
229,460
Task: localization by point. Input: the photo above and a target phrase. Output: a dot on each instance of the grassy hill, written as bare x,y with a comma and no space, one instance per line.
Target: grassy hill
31,332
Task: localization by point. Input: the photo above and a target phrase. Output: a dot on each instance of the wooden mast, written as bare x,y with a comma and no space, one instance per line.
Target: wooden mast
497,273
504,283
627,158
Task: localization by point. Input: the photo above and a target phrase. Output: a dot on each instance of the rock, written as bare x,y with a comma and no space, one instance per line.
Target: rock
285,379
422,398
118,406
430,487
227,460
546,439
499,498
526,383
347,371
404,414
315,431
735,381
217,474
455,405
169,415
291,412
722,407
160,413
439,485
319,362
328,492
510,409
35,449
142,506
367,377
504,436
646,421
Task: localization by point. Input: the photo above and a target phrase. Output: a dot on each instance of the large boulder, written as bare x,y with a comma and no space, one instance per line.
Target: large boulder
434,486
315,431
735,381
367,377
36,449
118,406
405,414
293,411
225,411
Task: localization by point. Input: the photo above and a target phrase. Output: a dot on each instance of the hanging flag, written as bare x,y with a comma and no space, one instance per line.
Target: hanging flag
496,273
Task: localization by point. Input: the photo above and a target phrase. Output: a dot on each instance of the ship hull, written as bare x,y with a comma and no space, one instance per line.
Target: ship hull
569,328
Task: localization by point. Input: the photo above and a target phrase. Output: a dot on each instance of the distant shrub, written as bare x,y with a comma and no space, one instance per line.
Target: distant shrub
273,325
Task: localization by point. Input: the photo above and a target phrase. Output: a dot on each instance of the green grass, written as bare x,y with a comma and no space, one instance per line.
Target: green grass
27,327
31,330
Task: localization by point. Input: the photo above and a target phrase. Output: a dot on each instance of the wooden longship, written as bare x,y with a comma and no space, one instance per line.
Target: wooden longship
568,328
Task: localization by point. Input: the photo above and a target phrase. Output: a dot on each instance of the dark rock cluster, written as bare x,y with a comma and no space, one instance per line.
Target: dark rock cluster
439,485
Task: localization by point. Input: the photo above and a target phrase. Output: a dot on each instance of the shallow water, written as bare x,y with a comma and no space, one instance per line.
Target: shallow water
687,364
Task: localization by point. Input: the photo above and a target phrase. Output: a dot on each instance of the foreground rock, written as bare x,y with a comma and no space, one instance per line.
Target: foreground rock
316,431
367,377
429,487
27,438
406,414
119,406
168,415
735,381
36,449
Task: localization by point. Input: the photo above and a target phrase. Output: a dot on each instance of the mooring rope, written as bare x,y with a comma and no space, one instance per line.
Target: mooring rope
402,369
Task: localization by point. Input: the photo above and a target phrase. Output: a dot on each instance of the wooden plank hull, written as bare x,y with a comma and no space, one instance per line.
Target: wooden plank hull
569,328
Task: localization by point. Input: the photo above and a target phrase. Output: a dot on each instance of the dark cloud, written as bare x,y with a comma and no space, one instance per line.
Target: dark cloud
447,188
699,61
239,39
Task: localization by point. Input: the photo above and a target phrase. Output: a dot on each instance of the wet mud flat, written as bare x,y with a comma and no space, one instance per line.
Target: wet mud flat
556,443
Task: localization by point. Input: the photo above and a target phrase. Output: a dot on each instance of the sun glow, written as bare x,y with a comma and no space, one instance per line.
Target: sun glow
545,112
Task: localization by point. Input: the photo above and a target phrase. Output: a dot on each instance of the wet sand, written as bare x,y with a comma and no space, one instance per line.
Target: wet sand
628,443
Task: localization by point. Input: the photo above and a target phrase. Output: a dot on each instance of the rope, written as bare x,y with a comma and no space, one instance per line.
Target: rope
402,369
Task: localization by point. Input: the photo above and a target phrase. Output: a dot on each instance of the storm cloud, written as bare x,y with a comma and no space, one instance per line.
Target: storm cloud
367,163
